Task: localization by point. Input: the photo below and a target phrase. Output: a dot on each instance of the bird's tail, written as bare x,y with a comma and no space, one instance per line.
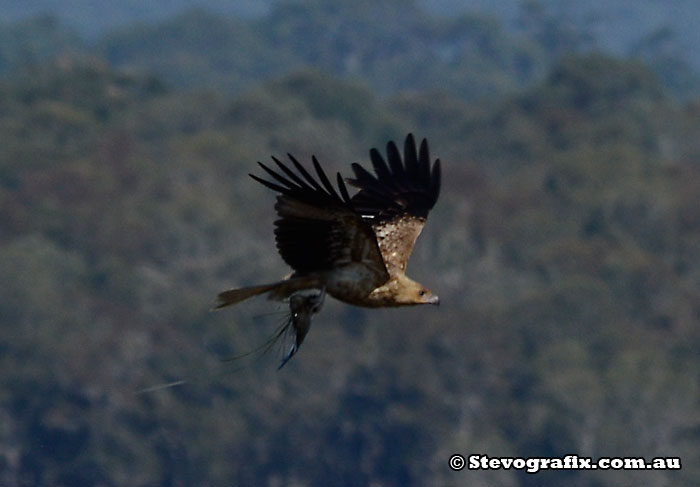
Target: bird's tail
278,290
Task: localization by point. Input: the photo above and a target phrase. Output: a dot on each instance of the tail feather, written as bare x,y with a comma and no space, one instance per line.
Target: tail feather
277,290
233,296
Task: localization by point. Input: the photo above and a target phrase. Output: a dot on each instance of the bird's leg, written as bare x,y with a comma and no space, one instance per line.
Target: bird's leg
316,302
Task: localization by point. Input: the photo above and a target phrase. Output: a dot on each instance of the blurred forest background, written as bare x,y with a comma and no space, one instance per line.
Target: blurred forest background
565,247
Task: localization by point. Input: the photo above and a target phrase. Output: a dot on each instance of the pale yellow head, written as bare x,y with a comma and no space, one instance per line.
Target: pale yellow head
403,291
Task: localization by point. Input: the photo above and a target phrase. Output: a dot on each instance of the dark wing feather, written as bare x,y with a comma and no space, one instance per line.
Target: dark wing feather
318,229
398,199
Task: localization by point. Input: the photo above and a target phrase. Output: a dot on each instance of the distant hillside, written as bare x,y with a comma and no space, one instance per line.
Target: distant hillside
35,40
95,17
391,45
565,248
618,25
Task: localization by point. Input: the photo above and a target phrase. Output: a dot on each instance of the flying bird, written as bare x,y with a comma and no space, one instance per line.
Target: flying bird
354,248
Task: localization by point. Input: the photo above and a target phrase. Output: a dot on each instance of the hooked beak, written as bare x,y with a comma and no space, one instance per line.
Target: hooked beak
434,300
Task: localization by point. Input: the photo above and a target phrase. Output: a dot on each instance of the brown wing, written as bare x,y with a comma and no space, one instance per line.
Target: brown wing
398,199
318,229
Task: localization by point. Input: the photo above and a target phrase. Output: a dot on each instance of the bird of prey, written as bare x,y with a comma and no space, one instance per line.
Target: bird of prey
353,248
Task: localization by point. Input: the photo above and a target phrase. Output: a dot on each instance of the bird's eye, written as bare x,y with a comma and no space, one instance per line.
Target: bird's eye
421,292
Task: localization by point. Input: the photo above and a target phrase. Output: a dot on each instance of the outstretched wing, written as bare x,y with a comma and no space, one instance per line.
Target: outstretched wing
318,229
398,199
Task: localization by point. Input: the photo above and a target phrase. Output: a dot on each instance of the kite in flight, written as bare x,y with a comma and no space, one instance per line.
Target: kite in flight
353,248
